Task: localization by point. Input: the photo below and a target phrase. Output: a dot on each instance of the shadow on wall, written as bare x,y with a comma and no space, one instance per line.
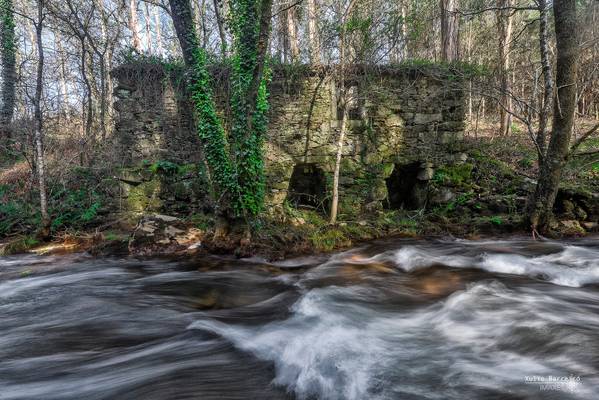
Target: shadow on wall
308,187
405,189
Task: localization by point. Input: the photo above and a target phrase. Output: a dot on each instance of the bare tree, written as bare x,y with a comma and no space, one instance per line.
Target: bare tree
219,7
158,23
148,28
504,26
449,30
545,109
134,25
314,44
291,26
39,122
344,104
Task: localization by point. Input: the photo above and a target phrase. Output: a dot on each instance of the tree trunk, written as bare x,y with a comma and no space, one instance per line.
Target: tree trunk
449,30
541,216
548,82
38,119
292,35
134,25
221,28
9,73
344,119
236,168
88,112
337,171
404,54
185,29
313,33
158,23
62,72
148,27
504,26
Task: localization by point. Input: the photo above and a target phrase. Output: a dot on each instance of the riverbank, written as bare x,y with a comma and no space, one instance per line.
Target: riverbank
482,194
303,233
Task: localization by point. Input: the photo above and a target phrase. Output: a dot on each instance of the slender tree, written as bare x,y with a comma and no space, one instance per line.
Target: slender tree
313,40
291,23
344,105
134,25
541,139
449,30
39,122
504,26
219,6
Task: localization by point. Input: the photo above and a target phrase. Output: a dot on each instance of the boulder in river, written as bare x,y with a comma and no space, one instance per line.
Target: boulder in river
162,233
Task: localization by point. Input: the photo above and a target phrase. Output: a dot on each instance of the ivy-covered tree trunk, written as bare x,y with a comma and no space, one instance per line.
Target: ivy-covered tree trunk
563,115
235,160
9,74
249,100
209,126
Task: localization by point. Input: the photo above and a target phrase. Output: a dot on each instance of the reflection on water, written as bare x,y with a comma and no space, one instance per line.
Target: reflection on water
393,320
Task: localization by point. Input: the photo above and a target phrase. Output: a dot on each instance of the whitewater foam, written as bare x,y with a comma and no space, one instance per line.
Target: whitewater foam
571,266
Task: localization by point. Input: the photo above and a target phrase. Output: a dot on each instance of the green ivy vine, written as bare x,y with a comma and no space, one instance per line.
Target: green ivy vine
7,27
249,119
235,160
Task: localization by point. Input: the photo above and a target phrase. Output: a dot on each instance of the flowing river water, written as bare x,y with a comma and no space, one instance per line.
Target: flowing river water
401,319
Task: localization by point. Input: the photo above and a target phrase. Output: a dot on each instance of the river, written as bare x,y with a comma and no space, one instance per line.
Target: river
397,319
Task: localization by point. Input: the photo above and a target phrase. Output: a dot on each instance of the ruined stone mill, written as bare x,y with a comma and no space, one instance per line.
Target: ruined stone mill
404,121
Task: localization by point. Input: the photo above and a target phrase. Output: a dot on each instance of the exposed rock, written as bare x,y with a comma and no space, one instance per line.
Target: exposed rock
157,230
442,195
165,218
571,227
298,221
460,158
426,173
422,119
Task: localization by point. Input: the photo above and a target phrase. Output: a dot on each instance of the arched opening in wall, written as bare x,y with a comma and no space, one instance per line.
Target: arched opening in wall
307,187
404,189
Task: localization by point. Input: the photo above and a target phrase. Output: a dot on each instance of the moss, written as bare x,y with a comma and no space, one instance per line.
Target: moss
329,239
455,175
350,205
115,236
202,221
144,196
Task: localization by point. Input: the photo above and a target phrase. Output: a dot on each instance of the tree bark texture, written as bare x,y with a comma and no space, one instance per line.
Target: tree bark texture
550,174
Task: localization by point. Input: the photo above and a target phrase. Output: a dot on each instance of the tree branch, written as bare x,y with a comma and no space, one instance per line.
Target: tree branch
583,137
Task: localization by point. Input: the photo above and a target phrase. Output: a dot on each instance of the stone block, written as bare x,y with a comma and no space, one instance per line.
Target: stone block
421,118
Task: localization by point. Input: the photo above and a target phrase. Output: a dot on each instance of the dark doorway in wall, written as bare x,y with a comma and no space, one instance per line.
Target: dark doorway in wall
308,187
404,188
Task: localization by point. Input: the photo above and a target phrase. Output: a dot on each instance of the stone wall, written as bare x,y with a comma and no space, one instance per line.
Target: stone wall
405,115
